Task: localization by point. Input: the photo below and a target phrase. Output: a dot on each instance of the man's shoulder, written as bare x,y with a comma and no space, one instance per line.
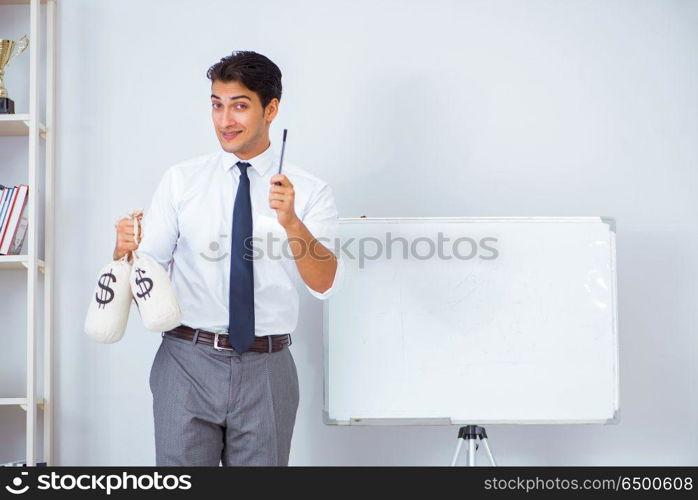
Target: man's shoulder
296,174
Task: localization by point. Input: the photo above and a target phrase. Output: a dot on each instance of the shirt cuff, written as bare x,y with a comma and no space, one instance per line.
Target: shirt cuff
338,278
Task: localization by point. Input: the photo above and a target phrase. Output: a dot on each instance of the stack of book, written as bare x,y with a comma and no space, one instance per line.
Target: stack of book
13,218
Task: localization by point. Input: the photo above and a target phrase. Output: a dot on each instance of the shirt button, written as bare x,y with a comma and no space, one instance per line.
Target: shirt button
237,359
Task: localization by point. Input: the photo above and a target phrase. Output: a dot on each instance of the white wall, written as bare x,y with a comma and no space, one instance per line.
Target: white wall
405,108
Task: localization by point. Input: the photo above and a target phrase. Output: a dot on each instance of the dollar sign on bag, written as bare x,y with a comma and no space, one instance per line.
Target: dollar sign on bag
106,294
145,285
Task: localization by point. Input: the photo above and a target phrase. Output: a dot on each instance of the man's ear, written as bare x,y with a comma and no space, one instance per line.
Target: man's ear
271,110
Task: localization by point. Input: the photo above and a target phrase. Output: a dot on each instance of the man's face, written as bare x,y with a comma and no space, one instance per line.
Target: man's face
241,124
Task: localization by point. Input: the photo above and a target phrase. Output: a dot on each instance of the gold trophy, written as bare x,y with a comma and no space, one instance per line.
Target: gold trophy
7,53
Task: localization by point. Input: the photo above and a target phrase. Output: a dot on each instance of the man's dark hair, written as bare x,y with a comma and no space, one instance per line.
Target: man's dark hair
255,71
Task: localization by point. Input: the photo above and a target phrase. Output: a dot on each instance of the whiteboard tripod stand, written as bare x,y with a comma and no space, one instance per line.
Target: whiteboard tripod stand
471,433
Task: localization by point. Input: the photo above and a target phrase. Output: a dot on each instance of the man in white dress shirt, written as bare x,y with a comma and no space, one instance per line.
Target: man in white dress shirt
212,402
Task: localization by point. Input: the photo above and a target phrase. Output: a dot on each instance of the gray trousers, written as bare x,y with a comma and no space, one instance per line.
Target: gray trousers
212,407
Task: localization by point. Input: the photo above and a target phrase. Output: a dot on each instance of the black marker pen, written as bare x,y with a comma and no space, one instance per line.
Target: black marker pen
281,161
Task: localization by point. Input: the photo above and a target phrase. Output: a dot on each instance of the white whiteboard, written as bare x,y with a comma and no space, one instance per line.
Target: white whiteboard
523,331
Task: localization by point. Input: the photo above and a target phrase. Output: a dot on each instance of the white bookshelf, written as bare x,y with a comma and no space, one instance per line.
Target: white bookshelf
39,133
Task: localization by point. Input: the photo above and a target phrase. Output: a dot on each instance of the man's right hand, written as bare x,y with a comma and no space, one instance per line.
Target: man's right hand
125,238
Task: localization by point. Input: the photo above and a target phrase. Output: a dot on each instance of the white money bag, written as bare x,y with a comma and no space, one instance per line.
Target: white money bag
153,291
154,294
110,304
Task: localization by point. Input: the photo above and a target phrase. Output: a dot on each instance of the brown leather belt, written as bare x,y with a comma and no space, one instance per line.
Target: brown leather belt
268,343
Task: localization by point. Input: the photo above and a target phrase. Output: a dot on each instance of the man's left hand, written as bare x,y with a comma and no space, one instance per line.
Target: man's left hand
282,199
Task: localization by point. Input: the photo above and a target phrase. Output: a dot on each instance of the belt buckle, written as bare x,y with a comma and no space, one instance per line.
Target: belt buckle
215,344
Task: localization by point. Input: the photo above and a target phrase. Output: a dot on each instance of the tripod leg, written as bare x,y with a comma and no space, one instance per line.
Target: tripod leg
487,449
472,446
455,455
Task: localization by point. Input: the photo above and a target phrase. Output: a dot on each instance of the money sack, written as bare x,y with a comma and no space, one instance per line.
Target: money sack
107,314
154,294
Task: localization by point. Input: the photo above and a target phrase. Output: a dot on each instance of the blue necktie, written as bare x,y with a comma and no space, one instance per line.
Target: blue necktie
241,297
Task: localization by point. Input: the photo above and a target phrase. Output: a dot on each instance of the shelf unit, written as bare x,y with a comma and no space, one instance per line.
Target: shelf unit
17,125
19,262
29,125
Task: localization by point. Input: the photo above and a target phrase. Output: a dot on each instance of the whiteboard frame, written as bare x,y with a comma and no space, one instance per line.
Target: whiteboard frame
615,419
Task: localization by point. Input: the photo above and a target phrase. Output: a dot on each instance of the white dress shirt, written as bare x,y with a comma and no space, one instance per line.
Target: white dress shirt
188,226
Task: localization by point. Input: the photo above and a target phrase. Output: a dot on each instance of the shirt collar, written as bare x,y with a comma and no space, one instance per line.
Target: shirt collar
260,163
